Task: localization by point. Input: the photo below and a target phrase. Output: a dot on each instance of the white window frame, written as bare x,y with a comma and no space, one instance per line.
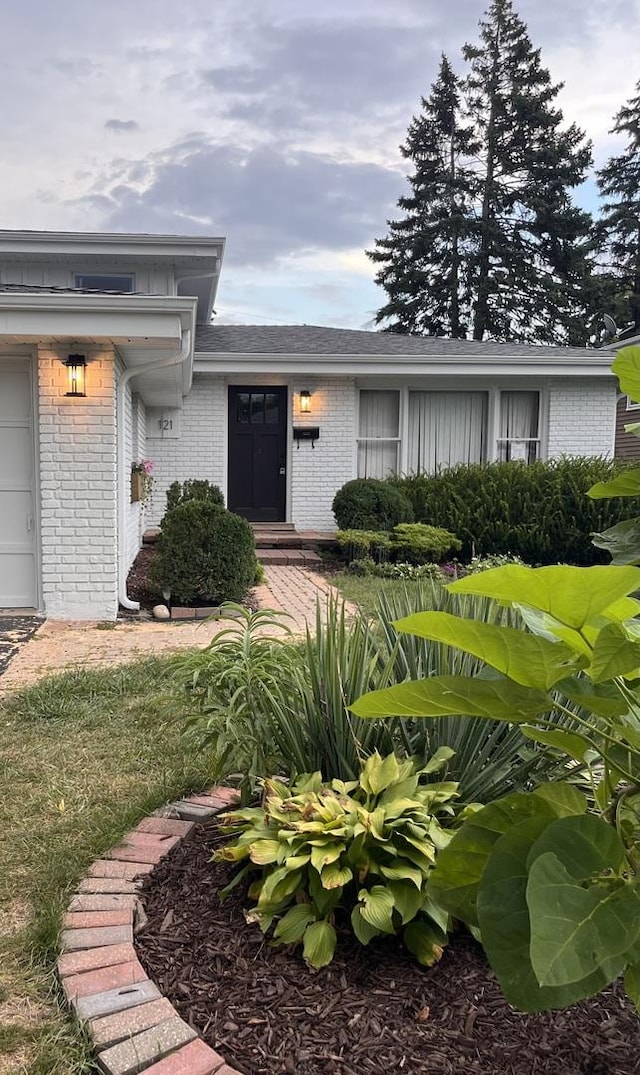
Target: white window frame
382,440
106,276
499,441
493,391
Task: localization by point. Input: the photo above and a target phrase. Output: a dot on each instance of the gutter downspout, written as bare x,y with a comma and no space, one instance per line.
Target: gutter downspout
123,463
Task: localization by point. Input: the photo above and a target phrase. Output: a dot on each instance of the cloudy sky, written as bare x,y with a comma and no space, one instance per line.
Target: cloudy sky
273,122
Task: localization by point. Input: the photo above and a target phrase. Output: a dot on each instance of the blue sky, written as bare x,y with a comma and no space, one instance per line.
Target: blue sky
273,122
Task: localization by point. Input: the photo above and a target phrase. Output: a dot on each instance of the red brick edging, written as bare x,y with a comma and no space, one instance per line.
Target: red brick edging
133,1028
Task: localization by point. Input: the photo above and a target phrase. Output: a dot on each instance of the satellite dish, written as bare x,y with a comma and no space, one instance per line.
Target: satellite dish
610,328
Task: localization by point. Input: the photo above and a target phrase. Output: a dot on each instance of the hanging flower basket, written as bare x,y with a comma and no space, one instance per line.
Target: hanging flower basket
141,481
137,486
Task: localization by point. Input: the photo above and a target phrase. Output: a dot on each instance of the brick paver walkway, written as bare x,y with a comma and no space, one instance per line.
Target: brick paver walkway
60,646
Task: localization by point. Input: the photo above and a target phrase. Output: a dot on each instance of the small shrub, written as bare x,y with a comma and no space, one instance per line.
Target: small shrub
193,489
360,544
369,504
407,572
418,543
357,853
204,553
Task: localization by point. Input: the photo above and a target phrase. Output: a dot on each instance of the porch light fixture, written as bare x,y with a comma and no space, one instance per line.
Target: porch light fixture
76,366
305,401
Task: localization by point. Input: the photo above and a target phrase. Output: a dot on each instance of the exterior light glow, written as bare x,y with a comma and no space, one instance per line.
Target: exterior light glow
305,401
76,366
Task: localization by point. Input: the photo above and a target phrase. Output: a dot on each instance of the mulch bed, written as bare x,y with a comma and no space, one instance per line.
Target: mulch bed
373,1011
140,589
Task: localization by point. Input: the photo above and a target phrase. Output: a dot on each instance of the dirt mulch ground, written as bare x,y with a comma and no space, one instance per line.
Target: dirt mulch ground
373,1011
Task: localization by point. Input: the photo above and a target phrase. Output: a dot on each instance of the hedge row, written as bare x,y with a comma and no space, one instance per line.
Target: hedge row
539,511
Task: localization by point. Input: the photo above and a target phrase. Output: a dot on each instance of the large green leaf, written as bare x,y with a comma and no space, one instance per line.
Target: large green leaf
376,907
495,699
503,915
603,699
424,940
625,484
455,879
586,845
319,944
626,366
622,541
572,595
614,654
576,746
565,799
578,932
528,659
407,899
292,925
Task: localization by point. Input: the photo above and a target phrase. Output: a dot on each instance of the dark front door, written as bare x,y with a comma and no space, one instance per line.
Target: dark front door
258,453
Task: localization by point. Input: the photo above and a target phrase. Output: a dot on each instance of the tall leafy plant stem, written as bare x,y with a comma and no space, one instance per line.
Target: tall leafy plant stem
604,735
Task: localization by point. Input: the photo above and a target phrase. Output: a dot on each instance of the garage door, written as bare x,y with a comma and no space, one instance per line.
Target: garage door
17,487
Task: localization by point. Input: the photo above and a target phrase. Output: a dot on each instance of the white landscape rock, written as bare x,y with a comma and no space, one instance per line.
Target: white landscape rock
161,612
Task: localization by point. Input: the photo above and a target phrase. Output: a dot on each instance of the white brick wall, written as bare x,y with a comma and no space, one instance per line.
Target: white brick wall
314,473
135,438
317,473
582,416
198,452
77,446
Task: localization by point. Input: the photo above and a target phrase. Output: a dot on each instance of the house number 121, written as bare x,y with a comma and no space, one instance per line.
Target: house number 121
165,424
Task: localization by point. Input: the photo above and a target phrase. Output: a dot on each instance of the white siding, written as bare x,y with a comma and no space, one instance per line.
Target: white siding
77,446
150,280
582,417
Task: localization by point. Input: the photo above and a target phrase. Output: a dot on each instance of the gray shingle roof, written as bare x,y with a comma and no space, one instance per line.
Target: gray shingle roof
316,340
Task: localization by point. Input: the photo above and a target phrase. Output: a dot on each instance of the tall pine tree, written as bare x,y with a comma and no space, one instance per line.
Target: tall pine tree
523,255
619,226
423,267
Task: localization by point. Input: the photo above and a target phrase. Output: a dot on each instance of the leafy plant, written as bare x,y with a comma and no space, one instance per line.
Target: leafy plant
204,553
553,889
622,541
355,853
418,543
490,758
193,489
536,511
232,683
407,572
370,504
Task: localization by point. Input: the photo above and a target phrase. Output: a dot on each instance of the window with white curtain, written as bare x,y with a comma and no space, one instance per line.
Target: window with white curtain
446,428
519,438
378,433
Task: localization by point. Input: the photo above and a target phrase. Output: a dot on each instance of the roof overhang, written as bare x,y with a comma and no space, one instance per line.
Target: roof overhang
584,364
143,329
196,260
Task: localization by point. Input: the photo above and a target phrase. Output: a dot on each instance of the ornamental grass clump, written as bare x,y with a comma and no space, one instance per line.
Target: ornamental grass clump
347,856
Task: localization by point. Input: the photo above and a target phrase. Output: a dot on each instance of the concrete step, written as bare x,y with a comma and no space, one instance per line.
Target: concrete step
289,558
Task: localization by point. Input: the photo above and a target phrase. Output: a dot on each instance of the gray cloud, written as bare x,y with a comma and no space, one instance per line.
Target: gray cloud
121,126
269,202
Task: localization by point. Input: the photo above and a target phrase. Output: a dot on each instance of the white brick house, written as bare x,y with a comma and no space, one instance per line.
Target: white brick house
228,403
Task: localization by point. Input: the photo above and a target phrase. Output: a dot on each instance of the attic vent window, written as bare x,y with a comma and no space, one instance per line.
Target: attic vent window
104,281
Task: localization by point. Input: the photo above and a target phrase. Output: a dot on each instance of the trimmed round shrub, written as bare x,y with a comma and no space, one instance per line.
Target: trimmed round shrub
193,489
370,504
204,554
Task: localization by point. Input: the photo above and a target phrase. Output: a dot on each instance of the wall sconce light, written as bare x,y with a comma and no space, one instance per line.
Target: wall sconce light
76,367
305,401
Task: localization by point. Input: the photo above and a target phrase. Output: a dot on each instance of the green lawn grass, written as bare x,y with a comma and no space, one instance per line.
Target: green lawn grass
364,590
83,756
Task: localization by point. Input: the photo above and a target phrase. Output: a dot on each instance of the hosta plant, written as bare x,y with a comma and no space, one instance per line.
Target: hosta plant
346,855
548,879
